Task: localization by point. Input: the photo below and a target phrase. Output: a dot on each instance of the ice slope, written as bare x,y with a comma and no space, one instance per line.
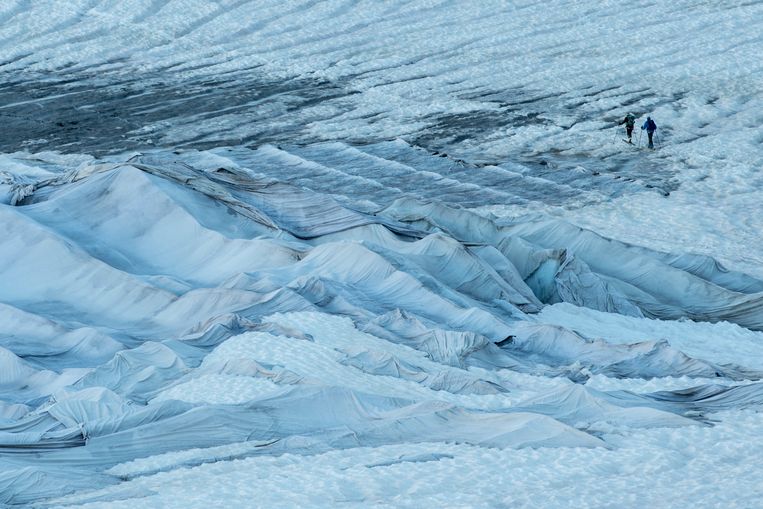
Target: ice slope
398,67
379,253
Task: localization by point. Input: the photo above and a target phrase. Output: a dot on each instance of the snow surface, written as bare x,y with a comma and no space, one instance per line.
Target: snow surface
353,253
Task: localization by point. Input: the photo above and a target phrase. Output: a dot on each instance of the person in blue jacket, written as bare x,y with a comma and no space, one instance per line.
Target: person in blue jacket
650,127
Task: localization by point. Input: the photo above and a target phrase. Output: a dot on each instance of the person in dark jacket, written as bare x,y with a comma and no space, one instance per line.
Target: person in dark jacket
629,122
650,127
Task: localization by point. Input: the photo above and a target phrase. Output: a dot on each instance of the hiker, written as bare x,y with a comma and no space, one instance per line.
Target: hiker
650,127
629,122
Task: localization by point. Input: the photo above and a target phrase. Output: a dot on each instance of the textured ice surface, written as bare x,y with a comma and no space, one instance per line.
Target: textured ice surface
380,253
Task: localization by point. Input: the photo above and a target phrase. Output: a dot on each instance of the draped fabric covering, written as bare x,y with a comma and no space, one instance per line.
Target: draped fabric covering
157,305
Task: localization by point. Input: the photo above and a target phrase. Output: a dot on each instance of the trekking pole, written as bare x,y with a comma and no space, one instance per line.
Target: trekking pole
657,139
614,138
639,138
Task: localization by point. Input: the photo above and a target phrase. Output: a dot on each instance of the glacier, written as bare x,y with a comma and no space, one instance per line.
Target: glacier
380,253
